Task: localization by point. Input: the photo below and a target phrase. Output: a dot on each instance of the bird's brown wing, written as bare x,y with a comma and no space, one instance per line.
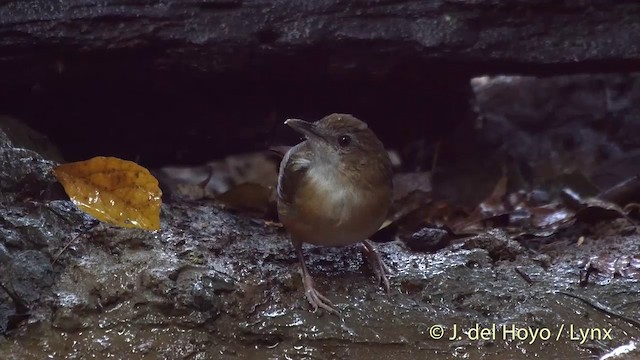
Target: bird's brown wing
293,167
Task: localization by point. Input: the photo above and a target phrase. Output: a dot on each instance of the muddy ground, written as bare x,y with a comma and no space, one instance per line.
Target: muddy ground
216,285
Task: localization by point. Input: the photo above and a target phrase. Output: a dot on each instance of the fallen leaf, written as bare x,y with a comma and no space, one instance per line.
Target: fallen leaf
454,218
218,177
248,196
626,266
551,216
492,208
595,210
591,209
631,209
112,190
623,193
494,204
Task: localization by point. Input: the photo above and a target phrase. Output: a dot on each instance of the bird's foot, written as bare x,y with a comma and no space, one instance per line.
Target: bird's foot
315,298
380,269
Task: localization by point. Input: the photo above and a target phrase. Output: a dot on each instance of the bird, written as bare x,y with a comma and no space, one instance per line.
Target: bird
335,189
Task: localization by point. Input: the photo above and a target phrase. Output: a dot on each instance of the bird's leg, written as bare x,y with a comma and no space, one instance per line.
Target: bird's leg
315,298
380,269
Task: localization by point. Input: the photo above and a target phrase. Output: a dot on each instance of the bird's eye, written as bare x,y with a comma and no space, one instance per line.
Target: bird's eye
344,140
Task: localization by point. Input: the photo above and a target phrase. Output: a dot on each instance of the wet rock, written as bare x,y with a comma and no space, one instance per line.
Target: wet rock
428,239
29,275
7,311
467,269
32,227
243,296
39,226
454,31
69,319
200,289
24,171
5,257
555,125
497,243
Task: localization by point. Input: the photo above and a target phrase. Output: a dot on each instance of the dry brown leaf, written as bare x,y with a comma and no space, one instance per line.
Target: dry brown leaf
551,216
247,196
218,177
494,204
609,266
492,207
112,190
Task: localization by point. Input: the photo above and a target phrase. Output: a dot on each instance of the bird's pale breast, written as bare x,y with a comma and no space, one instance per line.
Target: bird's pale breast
331,211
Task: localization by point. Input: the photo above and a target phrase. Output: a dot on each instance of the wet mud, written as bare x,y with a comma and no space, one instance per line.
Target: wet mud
217,285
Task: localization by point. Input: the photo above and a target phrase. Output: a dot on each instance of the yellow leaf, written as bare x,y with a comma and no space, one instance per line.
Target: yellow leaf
112,190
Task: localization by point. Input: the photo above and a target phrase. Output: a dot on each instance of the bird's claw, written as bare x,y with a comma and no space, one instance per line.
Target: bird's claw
317,300
380,269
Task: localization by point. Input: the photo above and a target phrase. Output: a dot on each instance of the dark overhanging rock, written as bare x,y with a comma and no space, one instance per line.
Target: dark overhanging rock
231,34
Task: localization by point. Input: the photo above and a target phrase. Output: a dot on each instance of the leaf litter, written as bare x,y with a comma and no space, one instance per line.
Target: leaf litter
426,222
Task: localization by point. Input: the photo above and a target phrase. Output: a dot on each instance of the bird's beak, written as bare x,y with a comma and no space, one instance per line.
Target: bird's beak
308,129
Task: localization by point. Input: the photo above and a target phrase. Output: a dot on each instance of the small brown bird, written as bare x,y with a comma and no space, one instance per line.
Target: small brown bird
334,189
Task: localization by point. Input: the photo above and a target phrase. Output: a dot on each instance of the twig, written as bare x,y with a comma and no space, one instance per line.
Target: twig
66,246
603,308
227,276
523,275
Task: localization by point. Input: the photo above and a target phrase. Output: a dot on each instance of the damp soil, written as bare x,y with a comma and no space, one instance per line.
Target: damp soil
212,284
